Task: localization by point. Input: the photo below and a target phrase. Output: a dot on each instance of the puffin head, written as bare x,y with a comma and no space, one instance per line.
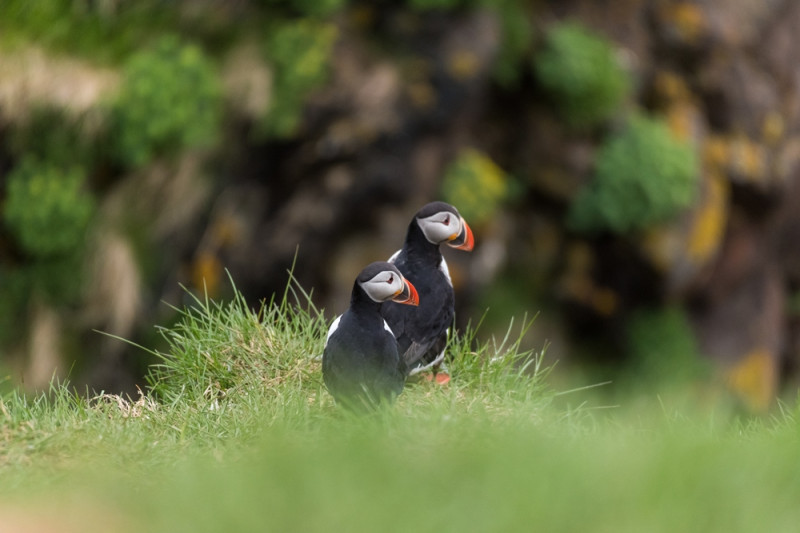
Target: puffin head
381,281
441,224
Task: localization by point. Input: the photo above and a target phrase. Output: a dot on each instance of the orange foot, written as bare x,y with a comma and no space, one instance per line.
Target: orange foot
441,378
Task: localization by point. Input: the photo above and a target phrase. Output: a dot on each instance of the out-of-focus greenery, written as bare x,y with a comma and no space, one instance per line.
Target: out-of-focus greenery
104,30
46,208
663,346
299,52
581,73
170,99
643,176
475,184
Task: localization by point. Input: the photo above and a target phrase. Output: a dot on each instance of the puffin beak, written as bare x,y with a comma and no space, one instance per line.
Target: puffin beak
464,240
408,295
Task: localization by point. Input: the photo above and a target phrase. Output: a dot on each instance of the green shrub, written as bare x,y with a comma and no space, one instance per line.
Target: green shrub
643,176
46,208
299,52
581,73
170,99
475,185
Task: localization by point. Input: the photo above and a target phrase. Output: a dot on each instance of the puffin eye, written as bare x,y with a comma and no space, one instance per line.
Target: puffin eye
391,279
446,220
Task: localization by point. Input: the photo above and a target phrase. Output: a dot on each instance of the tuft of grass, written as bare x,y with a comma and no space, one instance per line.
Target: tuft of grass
231,372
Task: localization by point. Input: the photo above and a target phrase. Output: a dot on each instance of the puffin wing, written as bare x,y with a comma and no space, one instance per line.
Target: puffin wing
421,356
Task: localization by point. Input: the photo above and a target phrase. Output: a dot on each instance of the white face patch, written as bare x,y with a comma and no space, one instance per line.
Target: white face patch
441,227
383,286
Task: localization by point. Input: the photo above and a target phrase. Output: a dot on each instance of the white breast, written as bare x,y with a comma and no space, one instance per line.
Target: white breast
445,271
333,328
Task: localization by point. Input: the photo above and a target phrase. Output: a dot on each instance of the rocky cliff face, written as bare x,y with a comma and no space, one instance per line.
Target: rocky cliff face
461,101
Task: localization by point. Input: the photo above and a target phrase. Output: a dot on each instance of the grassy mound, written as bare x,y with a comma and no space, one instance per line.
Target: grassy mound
238,433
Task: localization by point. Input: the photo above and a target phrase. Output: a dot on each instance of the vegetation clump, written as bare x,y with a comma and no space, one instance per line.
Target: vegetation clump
643,176
582,74
47,208
476,185
171,99
299,52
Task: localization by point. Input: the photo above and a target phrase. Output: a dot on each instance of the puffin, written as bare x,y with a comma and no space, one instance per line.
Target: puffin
361,366
422,332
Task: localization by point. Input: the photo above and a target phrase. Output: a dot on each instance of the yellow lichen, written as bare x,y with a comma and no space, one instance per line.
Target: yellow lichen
671,87
748,159
773,127
681,119
463,64
475,184
207,273
715,153
604,301
709,222
662,245
687,19
754,378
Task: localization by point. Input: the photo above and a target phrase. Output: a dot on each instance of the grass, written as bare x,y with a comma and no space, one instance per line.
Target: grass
236,432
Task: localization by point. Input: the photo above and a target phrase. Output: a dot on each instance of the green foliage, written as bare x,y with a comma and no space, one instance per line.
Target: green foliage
46,208
475,185
662,345
299,52
106,31
217,350
643,176
581,73
171,99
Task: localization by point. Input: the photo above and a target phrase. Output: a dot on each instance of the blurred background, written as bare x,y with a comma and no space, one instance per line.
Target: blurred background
629,169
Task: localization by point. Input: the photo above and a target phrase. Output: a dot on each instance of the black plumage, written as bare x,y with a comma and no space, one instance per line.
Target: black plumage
360,364
422,332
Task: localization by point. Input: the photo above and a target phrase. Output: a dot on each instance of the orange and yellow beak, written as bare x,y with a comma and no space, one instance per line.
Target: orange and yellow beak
464,240
408,295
